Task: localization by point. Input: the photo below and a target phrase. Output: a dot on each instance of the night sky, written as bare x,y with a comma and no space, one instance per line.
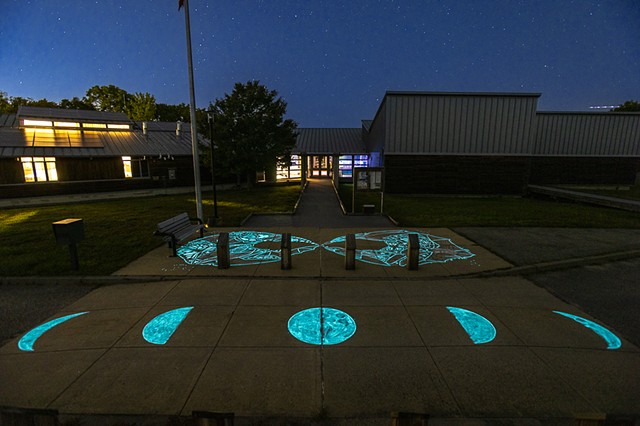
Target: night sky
331,60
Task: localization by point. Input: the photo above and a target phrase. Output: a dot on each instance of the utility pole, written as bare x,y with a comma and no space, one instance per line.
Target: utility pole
192,96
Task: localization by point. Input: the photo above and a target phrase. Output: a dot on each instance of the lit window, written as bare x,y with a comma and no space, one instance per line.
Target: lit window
42,123
118,126
39,169
65,124
289,172
27,166
94,126
126,161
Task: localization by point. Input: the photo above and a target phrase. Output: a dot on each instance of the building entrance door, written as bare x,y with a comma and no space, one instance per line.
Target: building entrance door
320,166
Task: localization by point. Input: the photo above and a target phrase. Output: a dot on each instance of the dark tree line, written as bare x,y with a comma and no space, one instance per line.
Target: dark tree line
137,106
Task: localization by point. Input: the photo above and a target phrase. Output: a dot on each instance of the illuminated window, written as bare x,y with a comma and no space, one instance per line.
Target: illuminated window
94,126
127,167
135,167
292,171
348,162
39,169
118,126
39,123
65,124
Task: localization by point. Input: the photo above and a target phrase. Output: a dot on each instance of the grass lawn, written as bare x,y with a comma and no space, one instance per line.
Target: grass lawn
116,232
493,211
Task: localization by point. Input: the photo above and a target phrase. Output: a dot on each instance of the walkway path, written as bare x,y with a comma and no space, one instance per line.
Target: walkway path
319,208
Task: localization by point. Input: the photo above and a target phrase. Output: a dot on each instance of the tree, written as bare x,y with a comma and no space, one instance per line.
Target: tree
75,103
141,107
628,106
250,130
5,103
107,98
10,104
166,112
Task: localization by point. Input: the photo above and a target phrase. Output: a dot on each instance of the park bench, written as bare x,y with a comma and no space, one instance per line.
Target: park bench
179,228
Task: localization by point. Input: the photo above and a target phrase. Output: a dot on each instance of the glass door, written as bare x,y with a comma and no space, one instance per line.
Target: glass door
320,166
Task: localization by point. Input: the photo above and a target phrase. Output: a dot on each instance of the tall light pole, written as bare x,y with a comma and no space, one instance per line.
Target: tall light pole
194,131
213,169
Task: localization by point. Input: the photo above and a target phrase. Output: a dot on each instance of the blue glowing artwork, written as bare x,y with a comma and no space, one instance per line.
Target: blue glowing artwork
243,248
27,341
433,249
322,326
479,329
613,342
160,329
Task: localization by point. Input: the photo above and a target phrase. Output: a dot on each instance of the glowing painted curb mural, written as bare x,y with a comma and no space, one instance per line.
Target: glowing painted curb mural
243,248
613,342
160,329
322,326
433,249
27,341
479,329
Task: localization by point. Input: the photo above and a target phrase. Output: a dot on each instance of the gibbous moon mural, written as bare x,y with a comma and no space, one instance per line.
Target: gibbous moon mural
479,329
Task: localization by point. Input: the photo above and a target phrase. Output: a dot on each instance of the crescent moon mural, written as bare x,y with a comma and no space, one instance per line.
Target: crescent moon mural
160,329
613,342
29,339
479,329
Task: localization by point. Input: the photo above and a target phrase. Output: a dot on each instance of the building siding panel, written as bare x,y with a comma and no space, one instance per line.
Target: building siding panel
587,134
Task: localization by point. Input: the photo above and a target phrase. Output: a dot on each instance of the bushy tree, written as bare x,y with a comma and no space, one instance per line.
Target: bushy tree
5,103
107,98
250,130
10,104
141,107
75,103
628,106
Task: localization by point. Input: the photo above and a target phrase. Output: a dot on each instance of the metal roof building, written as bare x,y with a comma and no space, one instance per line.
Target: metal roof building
94,149
329,141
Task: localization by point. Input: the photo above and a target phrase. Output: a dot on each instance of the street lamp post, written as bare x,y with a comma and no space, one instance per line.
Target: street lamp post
213,170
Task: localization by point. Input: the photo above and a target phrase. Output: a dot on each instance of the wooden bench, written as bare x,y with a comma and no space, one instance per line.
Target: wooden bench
179,228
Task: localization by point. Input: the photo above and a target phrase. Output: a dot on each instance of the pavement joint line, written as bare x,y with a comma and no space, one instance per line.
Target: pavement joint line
424,344
216,346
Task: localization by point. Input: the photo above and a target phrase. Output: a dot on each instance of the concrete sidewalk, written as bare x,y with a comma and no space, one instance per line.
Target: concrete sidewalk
234,353
319,207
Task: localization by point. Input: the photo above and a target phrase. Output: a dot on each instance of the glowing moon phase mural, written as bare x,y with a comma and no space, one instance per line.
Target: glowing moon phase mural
29,339
433,249
244,248
322,326
160,329
613,342
479,329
